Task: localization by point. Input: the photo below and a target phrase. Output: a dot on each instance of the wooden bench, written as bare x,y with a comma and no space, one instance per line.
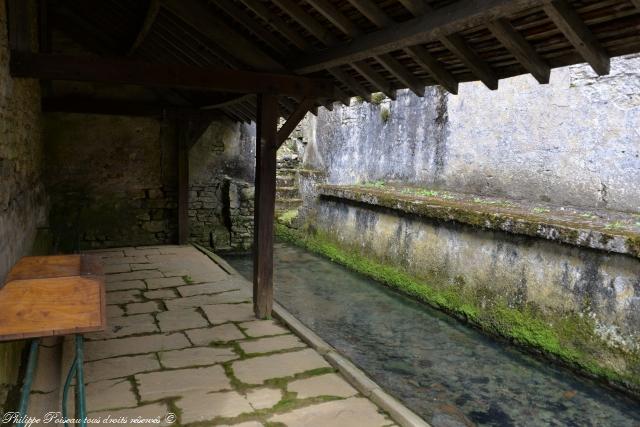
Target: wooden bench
53,296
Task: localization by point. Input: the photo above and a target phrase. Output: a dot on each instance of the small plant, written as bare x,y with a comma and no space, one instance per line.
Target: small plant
539,210
497,202
616,225
359,99
385,114
377,98
374,184
588,215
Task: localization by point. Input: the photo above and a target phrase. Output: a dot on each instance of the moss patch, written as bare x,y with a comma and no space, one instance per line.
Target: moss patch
568,337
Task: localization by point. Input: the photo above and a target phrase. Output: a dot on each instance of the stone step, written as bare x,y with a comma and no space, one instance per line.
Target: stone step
287,192
288,204
285,180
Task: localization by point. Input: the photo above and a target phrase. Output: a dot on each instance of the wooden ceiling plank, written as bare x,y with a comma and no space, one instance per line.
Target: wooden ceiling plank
448,19
456,44
577,32
336,17
379,82
200,17
373,12
435,68
276,23
97,69
255,27
307,21
401,73
416,7
521,49
350,82
145,28
636,3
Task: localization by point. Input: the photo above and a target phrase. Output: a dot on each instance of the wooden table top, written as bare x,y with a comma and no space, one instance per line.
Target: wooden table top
53,295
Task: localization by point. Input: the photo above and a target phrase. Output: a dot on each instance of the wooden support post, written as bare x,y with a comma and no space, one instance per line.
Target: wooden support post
265,199
183,183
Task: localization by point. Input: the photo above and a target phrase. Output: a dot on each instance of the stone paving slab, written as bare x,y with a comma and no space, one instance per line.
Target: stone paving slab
212,362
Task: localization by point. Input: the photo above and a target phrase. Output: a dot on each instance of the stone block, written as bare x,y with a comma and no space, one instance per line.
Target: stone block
143,307
200,407
165,282
223,313
261,328
95,350
178,382
271,344
322,385
350,412
196,356
120,367
259,369
222,333
177,320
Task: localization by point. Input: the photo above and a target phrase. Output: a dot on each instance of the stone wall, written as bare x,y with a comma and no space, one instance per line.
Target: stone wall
221,170
574,141
112,180
22,197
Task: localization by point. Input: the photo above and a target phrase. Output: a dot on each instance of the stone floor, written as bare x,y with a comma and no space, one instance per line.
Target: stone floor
183,340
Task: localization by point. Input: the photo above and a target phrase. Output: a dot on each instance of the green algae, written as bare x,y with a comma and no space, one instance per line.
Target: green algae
566,337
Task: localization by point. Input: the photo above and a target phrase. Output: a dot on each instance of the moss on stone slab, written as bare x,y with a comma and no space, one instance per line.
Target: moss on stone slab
566,337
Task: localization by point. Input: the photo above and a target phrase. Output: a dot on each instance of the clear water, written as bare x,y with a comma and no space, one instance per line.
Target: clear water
445,371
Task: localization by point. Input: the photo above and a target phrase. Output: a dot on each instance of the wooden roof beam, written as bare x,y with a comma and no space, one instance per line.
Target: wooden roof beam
276,23
577,32
521,49
307,21
350,82
336,17
379,82
449,19
373,12
200,17
435,68
456,44
416,7
97,69
145,28
401,73
293,120
636,3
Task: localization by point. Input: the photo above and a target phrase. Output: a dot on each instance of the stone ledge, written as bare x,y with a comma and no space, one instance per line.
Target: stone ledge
603,230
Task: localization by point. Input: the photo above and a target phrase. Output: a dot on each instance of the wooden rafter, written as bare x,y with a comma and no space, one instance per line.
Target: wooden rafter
456,44
576,31
449,19
293,120
276,23
96,69
373,12
416,7
435,68
401,73
350,82
379,82
147,23
521,49
636,3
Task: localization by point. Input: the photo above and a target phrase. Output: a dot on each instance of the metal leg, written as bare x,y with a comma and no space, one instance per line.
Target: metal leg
76,371
28,380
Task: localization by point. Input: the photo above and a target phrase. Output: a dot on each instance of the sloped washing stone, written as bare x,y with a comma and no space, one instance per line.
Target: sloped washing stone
352,412
323,385
259,369
157,385
205,407
223,313
221,333
177,320
196,356
261,328
120,367
270,344
95,350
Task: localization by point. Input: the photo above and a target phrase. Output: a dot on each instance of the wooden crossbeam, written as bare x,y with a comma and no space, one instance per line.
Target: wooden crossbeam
145,28
350,82
429,63
379,82
292,121
199,16
401,73
96,69
577,32
521,49
449,19
456,44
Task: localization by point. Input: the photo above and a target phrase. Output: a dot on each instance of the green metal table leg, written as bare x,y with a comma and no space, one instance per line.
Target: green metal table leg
28,380
76,371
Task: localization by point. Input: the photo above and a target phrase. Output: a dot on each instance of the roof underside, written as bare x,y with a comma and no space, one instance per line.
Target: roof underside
364,46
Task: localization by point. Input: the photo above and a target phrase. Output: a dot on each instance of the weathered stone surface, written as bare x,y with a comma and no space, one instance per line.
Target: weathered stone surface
125,260
177,320
322,385
155,411
126,325
125,285
134,275
264,398
352,412
142,307
207,288
201,300
196,356
157,385
223,313
116,268
110,394
258,369
114,311
269,344
204,407
123,297
161,294
120,367
221,333
95,350
164,282
261,328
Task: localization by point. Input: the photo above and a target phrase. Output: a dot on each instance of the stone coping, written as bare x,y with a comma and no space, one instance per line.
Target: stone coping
596,229
354,375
